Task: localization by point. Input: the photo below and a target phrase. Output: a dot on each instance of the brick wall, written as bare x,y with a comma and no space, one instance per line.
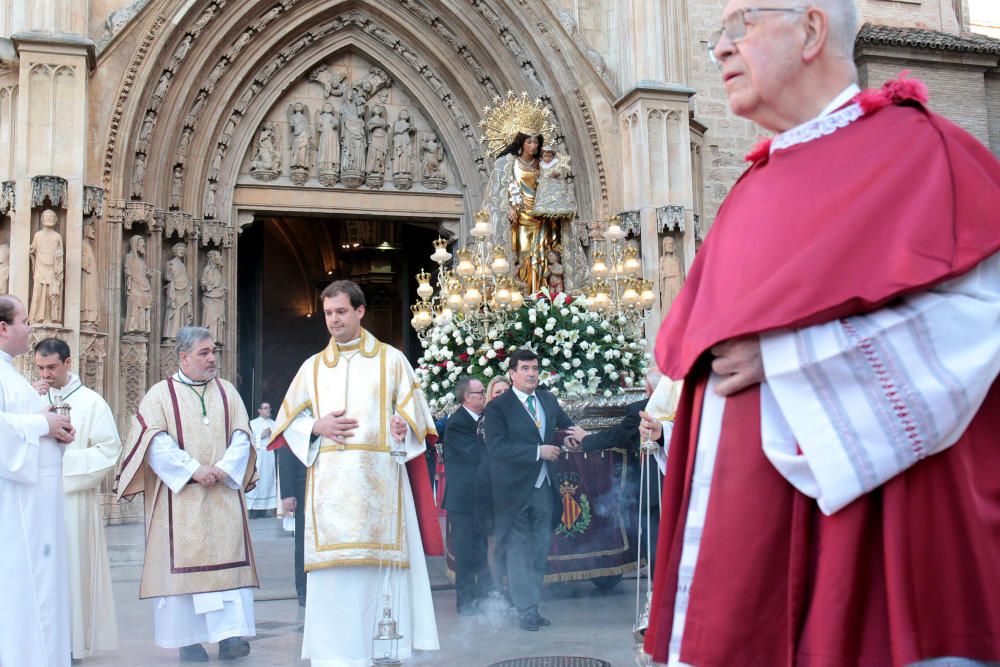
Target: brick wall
993,111
957,93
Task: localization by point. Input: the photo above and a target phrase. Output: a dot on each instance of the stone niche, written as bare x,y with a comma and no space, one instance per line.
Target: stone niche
297,116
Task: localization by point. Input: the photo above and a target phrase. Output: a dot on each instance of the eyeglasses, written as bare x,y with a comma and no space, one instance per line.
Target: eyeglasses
475,392
734,26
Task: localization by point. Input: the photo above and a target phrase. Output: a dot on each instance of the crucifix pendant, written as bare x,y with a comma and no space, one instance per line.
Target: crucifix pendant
204,420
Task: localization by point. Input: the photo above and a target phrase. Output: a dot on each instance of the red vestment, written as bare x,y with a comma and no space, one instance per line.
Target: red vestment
896,202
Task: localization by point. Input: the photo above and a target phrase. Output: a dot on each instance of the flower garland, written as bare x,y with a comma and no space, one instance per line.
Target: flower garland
578,353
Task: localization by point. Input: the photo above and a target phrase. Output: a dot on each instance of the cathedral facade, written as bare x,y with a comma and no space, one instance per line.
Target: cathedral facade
215,162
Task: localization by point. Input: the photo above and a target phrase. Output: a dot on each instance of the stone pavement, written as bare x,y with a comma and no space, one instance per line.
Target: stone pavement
585,622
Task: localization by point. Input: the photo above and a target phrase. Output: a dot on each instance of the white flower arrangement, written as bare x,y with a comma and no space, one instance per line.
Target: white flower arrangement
578,355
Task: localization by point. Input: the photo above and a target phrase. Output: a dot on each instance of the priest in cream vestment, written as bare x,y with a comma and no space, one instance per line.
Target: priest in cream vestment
34,605
344,411
190,454
86,462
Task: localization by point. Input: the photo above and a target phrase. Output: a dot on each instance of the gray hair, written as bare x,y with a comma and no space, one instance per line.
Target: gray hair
653,376
843,25
187,337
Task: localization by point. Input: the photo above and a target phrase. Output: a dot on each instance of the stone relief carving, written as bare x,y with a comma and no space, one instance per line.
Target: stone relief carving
134,358
191,119
124,90
162,86
92,355
145,131
431,156
670,219
230,127
595,144
378,146
402,150
300,143
90,312
52,188
216,165
184,145
332,83
117,20
266,18
138,175
213,296
210,193
328,139
268,70
206,17
177,187
47,268
180,53
138,297
175,222
4,268
93,201
289,51
214,232
374,81
215,75
631,222
671,275
238,45
243,103
353,141
8,197
265,165
178,311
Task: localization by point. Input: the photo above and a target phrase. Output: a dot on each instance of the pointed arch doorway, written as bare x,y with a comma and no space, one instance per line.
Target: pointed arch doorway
285,261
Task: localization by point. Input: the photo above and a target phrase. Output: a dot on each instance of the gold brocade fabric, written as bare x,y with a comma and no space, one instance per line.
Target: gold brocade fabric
197,540
354,490
532,237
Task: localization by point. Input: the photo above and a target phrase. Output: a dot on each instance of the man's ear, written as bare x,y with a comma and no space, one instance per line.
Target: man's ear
817,31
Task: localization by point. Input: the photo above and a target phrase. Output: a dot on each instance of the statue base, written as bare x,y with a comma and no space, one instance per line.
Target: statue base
352,179
329,177
299,175
435,182
375,181
265,175
402,181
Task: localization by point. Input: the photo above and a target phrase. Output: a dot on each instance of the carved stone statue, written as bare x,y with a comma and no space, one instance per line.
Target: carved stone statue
191,119
266,162
156,99
47,264
431,156
175,280
216,165
138,298
4,268
184,144
300,142
90,311
210,199
378,146
179,53
213,295
671,275
142,141
138,175
353,144
402,150
328,131
332,83
177,187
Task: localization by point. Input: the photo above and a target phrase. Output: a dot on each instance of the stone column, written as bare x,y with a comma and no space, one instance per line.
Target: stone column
50,142
652,41
656,175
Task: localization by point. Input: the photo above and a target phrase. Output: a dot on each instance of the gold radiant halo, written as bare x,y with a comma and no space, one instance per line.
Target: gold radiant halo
512,115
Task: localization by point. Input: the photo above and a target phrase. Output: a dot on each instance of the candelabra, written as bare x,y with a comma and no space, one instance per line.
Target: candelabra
618,291
478,294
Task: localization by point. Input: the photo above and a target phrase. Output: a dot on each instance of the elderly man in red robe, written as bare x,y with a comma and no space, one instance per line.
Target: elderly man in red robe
832,496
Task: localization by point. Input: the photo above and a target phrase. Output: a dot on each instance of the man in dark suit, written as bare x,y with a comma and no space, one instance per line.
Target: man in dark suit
463,452
520,428
292,478
625,434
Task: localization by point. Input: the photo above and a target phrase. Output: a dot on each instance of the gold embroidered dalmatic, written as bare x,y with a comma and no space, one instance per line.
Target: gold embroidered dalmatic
354,493
197,540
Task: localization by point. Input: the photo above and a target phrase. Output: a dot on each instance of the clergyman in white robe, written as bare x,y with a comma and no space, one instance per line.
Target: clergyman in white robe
264,496
34,606
86,462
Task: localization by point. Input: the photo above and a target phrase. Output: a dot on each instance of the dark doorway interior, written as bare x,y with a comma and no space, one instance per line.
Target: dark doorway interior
284,264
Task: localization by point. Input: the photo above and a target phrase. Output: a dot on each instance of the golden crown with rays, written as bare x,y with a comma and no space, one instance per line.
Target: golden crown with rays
512,115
